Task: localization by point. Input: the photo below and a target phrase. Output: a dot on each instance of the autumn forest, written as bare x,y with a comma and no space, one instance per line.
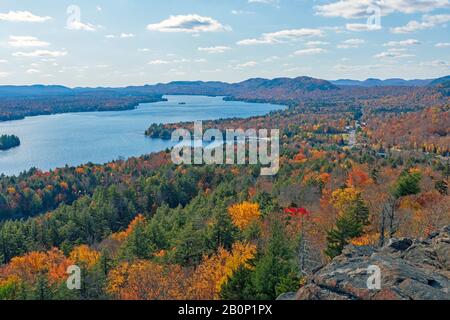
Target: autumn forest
358,166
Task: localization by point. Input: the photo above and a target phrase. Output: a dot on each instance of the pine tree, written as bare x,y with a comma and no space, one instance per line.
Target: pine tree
137,245
442,187
276,262
223,232
349,225
407,184
239,286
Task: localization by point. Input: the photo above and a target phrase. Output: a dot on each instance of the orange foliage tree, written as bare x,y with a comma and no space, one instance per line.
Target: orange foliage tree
146,280
121,236
29,267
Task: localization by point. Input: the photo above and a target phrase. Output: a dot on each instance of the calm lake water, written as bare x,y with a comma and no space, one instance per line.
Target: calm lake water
52,141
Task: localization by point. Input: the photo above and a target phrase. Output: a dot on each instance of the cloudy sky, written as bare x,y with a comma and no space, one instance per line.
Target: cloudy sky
133,42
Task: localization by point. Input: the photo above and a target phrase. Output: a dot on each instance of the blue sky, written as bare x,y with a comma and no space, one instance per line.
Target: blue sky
131,42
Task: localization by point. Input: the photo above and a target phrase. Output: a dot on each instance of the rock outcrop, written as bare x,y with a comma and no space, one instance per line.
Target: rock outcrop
409,270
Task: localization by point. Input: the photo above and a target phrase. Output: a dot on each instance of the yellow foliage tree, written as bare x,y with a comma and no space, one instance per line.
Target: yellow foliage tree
85,256
214,271
342,198
244,214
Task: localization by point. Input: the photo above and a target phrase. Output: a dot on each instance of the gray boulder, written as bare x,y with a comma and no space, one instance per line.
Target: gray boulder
409,270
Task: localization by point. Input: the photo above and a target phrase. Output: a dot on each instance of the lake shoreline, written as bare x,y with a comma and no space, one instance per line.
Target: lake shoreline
73,139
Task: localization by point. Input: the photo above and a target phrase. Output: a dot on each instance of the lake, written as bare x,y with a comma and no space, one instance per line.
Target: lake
52,141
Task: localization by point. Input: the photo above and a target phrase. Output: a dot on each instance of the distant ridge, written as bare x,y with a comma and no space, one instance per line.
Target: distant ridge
445,81
300,83
33,90
371,82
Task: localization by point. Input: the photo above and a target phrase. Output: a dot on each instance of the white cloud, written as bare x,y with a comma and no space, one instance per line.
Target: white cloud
282,36
26,42
123,35
40,53
273,2
80,26
271,59
354,41
144,50
158,62
183,60
394,53
247,64
353,68
442,44
211,71
362,27
3,61
316,43
188,23
3,74
435,64
32,71
428,22
216,49
127,35
402,43
22,16
309,51
351,43
353,9
240,12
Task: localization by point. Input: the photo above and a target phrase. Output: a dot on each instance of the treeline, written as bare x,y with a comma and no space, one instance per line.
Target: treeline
18,107
159,131
9,141
426,130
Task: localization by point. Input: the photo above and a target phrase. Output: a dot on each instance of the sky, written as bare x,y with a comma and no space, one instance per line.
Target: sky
135,42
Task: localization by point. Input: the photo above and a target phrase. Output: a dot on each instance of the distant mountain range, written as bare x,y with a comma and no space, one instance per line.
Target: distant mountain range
17,102
299,84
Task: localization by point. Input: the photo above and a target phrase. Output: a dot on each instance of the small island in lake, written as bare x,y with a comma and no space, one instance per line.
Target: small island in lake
9,142
159,131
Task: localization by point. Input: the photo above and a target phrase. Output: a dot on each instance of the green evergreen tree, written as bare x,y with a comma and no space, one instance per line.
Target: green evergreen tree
276,262
349,225
239,286
442,187
407,184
